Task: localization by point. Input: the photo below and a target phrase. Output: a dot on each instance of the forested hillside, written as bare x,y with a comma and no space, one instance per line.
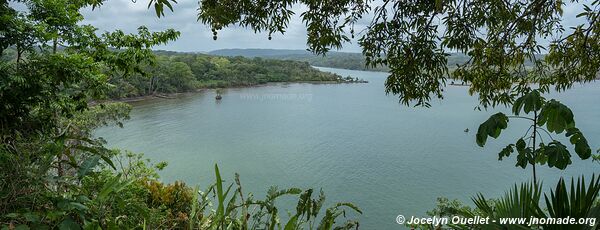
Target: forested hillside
181,72
174,72
342,60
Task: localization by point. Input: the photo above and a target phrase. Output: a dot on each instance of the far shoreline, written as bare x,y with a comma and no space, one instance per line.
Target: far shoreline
200,90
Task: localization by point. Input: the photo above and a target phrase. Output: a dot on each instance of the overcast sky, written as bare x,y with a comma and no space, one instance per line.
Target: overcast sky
127,16
196,37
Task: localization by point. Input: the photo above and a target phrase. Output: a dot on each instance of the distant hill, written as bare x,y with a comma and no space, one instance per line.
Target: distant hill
260,52
342,60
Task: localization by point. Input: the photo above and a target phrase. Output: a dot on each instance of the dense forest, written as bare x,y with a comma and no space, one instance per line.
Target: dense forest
178,72
341,60
174,72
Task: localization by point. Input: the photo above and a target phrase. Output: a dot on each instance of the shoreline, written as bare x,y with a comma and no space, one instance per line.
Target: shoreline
144,98
200,90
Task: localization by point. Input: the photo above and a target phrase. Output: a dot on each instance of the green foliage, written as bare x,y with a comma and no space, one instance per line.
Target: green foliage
524,201
519,202
159,6
52,67
325,30
445,208
353,61
448,208
576,202
237,211
492,127
178,72
45,178
548,116
132,196
176,199
59,64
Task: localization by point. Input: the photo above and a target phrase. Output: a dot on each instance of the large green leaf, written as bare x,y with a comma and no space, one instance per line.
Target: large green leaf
220,196
87,165
540,157
492,127
20,227
582,148
524,156
114,185
532,101
291,224
506,151
558,155
159,5
69,224
522,160
578,202
556,116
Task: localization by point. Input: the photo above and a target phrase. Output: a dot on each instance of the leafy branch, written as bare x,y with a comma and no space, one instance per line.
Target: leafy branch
552,117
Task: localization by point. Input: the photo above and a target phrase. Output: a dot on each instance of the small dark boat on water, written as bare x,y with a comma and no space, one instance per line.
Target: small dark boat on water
218,92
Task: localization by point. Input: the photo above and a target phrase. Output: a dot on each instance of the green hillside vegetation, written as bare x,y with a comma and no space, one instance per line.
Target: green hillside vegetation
342,60
174,72
352,61
186,72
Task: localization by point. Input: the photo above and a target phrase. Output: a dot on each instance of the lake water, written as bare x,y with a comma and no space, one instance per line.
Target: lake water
352,140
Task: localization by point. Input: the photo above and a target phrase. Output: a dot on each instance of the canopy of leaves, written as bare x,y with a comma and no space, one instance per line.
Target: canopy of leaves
52,66
59,64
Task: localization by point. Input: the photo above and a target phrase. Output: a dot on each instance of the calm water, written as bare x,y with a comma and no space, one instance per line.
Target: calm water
351,140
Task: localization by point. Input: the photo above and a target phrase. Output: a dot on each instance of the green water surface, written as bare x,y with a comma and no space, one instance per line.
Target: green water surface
352,140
